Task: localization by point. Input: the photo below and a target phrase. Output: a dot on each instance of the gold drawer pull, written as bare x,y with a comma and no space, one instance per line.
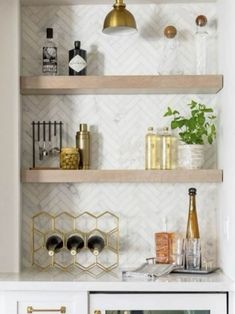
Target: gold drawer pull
30,309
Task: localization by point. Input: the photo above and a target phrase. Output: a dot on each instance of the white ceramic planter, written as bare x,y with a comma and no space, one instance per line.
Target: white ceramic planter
191,156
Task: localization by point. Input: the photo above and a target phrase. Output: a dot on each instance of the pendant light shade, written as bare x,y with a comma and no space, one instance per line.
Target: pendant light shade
119,21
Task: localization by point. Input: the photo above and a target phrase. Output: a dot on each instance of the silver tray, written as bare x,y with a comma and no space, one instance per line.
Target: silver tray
202,271
150,270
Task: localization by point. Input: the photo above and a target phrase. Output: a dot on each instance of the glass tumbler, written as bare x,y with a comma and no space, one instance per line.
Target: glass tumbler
193,253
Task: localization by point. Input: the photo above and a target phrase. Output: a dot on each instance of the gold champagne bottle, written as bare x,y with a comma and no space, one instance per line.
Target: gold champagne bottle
152,150
192,227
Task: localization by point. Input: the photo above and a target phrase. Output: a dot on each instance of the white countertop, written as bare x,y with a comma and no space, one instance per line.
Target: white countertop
61,281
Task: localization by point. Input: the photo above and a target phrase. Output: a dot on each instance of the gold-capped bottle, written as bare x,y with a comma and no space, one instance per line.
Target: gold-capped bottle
152,150
83,144
192,226
168,150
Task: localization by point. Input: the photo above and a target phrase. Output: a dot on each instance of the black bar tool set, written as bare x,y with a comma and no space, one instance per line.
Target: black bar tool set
42,133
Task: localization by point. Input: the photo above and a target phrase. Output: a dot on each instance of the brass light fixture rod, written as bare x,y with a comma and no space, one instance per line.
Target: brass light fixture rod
62,310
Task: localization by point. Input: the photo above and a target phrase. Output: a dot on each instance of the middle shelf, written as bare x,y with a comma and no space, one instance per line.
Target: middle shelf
121,84
122,176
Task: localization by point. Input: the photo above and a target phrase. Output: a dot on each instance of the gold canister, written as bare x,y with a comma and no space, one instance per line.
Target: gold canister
168,150
83,144
69,158
152,150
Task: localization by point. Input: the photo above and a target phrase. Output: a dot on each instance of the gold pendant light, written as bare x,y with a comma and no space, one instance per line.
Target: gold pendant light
119,20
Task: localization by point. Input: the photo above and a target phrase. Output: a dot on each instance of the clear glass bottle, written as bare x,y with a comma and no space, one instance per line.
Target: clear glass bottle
49,55
152,150
192,225
201,39
168,150
169,62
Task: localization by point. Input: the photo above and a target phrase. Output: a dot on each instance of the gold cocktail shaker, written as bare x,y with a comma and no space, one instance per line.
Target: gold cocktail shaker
83,145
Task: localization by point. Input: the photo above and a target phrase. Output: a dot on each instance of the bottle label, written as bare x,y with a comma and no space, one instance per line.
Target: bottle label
49,60
77,63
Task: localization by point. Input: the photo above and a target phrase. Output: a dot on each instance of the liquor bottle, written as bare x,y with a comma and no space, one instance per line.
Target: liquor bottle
192,226
54,244
168,149
152,150
169,62
49,55
77,60
201,38
75,243
83,144
96,243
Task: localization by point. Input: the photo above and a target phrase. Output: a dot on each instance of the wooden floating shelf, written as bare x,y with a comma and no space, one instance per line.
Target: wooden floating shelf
134,84
95,2
85,176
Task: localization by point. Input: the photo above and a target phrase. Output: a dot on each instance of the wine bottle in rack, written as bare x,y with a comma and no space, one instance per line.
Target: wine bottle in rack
75,243
54,244
96,243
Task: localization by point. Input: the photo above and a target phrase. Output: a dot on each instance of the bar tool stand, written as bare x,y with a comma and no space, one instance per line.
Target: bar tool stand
43,131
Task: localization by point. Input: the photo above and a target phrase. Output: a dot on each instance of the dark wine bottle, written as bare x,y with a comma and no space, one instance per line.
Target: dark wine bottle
75,243
96,244
54,244
77,60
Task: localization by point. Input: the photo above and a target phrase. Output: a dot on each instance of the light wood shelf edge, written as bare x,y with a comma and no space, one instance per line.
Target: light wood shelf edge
122,176
100,2
120,84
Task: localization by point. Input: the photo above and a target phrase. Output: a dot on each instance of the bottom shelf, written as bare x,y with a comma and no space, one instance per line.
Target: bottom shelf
161,176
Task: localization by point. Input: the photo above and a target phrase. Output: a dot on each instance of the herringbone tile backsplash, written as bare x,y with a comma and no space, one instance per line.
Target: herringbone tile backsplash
118,122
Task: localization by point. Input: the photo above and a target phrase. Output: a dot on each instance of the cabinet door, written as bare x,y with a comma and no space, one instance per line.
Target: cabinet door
159,303
47,303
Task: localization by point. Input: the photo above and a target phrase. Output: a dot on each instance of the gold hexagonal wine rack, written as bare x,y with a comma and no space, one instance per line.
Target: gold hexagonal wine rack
85,224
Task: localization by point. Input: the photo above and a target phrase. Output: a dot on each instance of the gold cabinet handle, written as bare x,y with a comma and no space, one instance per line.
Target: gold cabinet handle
30,309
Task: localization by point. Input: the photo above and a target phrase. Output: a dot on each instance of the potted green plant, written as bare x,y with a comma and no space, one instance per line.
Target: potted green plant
195,130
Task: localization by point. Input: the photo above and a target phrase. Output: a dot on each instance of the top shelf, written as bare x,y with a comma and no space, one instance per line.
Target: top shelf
134,84
95,2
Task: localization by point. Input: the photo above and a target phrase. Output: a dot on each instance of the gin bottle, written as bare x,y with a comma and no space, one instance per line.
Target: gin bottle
49,55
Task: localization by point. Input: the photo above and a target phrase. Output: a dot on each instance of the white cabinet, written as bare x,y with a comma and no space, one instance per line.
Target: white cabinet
158,303
50,302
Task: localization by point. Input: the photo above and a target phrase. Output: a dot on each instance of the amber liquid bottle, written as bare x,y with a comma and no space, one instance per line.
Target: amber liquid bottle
192,227
152,150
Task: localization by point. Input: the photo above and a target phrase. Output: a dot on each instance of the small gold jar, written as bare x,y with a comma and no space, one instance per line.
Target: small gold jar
69,158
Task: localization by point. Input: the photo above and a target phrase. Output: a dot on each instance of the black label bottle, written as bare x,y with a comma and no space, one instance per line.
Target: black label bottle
96,243
54,244
75,243
192,226
77,60
49,55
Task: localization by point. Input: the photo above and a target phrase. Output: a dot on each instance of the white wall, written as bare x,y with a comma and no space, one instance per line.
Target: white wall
226,132
9,133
